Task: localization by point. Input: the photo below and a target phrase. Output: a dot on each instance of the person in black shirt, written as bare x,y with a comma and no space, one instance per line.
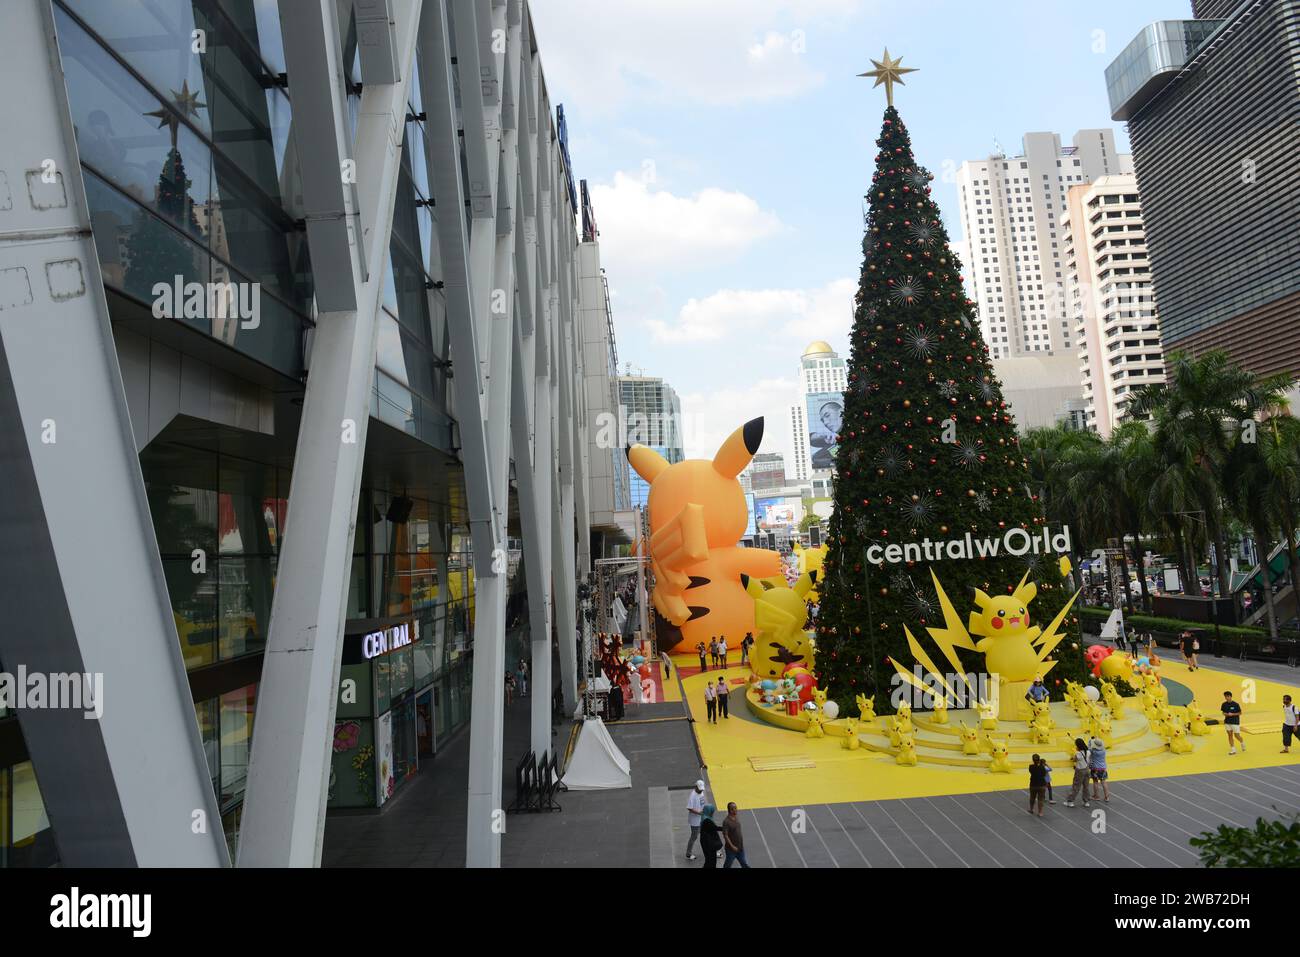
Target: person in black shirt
1232,722
1037,784
710,838
1189,644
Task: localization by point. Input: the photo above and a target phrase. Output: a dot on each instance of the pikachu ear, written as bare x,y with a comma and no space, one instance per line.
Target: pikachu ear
1025,592
647,462
737,451
805,583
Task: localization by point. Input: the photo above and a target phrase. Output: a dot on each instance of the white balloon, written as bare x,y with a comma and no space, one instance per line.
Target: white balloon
831,710
1091,692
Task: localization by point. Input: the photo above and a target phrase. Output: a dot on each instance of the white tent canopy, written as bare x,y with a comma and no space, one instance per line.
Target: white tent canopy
596,763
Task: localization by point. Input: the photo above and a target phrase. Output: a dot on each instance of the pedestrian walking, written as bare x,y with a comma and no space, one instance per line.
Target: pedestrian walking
722,650
713,650
1097,769
1190,646
1051,799
722,693
667,663
1037,783
1232,722
1290,723
1081,775
733,839
699,648
510,688
694,815
710,837
711,703
744,647
521,678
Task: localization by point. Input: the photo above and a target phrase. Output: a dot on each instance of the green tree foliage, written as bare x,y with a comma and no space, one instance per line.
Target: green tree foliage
928,449
1267,844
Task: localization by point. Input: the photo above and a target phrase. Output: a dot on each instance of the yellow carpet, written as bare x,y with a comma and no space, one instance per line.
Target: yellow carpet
732,746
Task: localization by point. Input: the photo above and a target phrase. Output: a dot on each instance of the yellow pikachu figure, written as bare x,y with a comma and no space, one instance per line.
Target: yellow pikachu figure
1040,733
867,710
816,728
819,698
940,713
904,718
780,614
1148,704
906,752
1001,762
896,733
1099,727
1178,743
1162,721
698,513
1043,714
1114,701
970,739
1196,720
851,742
988,717
810,560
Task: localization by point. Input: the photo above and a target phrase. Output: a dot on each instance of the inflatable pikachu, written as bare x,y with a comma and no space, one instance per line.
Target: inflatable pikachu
940,713
1178,743
1040,733
1113,700
988,716
779,615
1196,719
867,710
697,515
819,698
1043,714
906,752
904,718
816,727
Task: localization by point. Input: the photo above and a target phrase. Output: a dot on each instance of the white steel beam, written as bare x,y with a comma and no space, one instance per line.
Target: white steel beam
81,582
284,808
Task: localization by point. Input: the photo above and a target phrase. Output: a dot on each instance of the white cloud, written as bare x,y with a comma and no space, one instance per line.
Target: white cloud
709,417
799,315
719,52
643,229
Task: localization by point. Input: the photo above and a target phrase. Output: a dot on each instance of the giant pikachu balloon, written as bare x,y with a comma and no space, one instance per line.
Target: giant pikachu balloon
697,515
810,560
780,615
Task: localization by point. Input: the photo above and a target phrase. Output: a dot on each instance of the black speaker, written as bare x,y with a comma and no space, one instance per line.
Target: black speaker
399,510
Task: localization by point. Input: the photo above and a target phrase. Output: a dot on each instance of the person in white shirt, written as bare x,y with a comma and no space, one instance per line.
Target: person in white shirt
694,815
722,650
1290,723
711,702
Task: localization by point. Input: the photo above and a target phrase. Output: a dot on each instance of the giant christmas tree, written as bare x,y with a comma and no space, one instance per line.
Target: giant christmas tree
927,452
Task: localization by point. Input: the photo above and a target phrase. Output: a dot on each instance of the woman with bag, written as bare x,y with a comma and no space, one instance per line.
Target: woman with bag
1082,773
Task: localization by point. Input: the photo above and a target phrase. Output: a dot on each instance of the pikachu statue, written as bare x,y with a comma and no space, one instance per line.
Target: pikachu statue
1196,720
1001,760
698,514
1099,726
851,742
904,718
819,698
1178,743
1114,701
867,710
906,752
970,739
1042,714
816,725
988,717
896,732
1040,733
940,713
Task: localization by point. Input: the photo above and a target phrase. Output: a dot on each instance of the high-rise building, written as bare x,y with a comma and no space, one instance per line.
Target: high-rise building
767,471
1010,213
816,419
235,341
651,414
1108,285
1211,105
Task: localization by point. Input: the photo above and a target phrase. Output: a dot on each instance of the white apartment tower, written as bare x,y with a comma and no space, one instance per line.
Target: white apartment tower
1011,207
821,371
1112,303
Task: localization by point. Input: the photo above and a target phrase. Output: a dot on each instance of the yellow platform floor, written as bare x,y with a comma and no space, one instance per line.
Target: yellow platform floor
733,748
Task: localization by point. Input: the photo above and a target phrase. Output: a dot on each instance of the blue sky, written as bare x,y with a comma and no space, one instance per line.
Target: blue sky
728,144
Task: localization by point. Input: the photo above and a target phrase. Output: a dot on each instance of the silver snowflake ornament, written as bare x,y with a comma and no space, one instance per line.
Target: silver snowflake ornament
983,502
949,389
920,343
889,461
906,292
968,456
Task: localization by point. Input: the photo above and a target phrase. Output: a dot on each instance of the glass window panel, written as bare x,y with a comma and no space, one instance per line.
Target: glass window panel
157,39
31,838
180,483
194,608
358,607
390,354
259,21
237,709
210,731
411,289
422,655
246,230
247,585
403,672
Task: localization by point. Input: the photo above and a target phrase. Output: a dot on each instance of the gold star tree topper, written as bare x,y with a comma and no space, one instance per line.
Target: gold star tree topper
185,102
888,72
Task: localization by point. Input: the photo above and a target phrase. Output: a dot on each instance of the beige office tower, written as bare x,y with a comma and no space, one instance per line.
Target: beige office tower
1108,287
1011,207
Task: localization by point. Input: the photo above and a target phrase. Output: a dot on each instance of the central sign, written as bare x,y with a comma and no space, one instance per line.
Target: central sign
388,639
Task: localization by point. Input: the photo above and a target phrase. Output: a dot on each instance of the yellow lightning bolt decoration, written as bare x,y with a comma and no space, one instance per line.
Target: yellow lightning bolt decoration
953,635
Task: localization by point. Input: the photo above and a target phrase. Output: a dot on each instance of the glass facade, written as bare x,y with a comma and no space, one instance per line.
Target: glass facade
26,839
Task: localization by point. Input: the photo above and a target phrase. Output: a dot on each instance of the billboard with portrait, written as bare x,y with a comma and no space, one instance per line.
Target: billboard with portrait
751,527
770,513
825,418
